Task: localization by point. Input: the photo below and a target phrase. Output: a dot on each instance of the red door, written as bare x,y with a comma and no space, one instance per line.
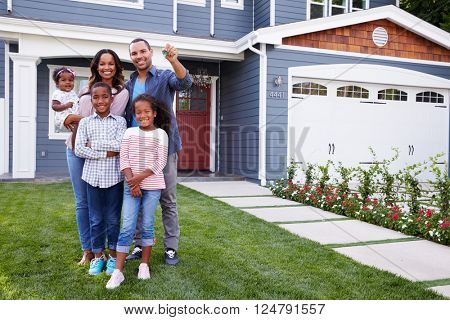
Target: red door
193,118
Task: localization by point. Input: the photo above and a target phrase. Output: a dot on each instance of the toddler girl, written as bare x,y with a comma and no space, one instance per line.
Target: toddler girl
143,156
64,99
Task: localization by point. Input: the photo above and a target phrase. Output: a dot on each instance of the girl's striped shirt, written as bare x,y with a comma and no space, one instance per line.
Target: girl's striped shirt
142,150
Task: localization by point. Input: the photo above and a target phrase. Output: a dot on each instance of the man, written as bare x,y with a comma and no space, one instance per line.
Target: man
162,85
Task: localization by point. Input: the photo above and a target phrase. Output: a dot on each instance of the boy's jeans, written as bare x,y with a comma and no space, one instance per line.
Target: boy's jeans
105,205
131,206
79,186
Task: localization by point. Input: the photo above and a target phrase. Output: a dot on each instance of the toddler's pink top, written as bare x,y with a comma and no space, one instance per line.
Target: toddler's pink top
120,101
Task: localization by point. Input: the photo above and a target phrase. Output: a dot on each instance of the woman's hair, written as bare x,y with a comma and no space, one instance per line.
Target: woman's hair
59,71
102,85
118,79
163,118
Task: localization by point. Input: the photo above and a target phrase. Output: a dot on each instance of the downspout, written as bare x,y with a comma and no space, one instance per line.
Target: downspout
175,16
211,22
9,6
262,109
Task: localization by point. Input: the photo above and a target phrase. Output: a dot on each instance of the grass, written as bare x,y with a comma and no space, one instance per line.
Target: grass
225,254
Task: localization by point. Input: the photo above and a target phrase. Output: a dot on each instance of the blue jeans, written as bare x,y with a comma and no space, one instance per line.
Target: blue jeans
105,205
130,211
79,186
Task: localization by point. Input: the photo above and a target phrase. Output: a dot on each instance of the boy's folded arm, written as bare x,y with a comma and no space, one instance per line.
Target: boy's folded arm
80,144
113,144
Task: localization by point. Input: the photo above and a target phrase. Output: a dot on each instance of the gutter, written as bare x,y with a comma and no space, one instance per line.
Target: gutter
9,6
211,22
175,16
262,109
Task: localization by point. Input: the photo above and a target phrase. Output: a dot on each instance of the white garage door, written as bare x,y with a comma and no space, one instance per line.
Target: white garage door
340,120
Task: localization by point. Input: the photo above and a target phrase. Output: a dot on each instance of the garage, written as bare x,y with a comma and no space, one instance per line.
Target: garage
337,112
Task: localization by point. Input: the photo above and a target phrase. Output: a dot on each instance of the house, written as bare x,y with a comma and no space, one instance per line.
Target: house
275,79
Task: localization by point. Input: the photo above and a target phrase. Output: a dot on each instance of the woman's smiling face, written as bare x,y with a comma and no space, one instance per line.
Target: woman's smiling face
106,67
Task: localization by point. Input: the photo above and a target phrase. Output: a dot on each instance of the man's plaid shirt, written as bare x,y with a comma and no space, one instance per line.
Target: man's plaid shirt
103,134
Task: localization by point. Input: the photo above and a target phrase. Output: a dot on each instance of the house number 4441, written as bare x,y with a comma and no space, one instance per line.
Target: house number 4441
276,94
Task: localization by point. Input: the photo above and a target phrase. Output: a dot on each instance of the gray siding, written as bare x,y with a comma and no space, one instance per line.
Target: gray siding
380,3
157,16
239,120
288,11
277,109
262,13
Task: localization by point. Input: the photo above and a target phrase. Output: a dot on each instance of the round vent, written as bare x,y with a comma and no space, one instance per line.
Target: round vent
380,37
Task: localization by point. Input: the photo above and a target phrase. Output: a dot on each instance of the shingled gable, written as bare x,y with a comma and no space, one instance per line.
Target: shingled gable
409,36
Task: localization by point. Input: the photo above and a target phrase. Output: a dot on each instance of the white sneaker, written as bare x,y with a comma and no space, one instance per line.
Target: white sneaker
115,280
144,272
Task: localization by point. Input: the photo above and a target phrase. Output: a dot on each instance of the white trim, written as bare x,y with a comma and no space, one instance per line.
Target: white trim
239,5
175,16
213,127
351,9
211,21
116,3
272,12
4,118
198,3
24,115
361,55
274,35
371,74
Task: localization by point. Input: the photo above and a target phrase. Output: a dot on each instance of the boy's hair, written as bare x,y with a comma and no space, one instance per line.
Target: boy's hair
163,118
102,85
59,71
140,40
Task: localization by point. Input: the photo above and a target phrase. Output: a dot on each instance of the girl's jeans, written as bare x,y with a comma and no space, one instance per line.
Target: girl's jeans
79,186
131,205
105,205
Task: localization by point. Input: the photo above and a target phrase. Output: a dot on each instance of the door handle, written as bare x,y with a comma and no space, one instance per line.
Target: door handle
412,147
329,148
333,147
409,147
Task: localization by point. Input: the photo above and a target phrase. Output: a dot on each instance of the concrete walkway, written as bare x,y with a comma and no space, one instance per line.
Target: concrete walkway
406,256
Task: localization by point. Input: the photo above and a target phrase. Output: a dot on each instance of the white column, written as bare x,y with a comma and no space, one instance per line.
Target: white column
24,115
4,119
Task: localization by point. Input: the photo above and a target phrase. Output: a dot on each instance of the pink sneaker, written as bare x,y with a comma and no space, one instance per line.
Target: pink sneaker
144,272
115,280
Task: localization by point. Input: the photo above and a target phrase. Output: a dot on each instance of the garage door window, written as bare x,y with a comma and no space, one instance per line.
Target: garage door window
392,94
430,97
309,88
353,92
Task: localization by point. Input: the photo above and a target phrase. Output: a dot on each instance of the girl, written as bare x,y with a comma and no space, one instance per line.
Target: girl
143,156
98,141
105,67
64,99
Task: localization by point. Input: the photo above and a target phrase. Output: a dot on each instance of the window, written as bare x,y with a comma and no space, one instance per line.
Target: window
232,4
326,8
353,92
338,7
81,81
193,99
317,9
134,4
358,5
200,3
309,88
430,97
392,94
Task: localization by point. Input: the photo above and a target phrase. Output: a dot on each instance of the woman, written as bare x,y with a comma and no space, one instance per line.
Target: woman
105,67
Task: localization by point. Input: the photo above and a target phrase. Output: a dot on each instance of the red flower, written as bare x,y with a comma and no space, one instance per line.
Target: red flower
367,199
289,182
344,203
429,212
419,219
375,202
365,208
388,204
394,216
305,187
421,211
355,195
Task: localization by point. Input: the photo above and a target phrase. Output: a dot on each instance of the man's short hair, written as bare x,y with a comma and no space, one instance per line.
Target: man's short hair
139,40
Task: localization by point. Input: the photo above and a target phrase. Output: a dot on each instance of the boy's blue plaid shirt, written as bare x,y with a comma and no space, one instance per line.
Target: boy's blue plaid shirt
104,134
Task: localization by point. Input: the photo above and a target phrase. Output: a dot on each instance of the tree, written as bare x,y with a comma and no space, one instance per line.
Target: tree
436,12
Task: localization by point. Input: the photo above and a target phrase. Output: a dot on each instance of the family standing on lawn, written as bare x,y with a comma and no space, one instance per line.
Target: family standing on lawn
101,151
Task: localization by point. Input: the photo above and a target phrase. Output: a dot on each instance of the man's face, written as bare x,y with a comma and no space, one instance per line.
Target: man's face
140,55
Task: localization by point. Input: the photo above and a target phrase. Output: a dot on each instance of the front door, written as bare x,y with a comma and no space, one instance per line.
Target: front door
193,118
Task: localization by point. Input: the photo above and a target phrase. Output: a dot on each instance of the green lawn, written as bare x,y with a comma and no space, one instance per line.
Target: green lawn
225,254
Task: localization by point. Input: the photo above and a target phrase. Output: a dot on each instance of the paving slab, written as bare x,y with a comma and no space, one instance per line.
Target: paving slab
416,260
444,290
284,214
228,188
258,202
340,232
